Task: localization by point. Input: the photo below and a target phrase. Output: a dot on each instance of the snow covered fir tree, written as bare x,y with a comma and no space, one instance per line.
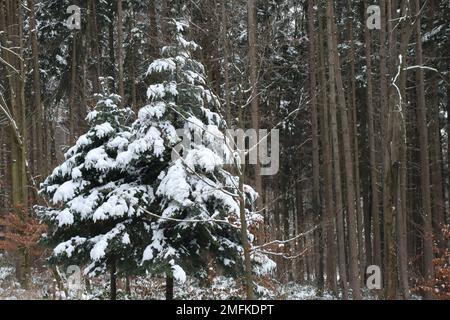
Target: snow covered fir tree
94,204
155,196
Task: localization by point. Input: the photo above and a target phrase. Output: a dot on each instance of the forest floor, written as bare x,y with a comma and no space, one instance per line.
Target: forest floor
150,288
44,287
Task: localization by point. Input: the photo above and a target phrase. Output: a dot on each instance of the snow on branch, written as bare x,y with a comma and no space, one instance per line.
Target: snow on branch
287,240
188,220
283,255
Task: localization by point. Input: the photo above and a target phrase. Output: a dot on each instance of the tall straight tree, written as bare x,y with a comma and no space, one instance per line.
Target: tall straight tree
352,123
336,81
374,200
422,126
329,220
315,133
383,92
335,145
253,65
226,59
120,55
38,125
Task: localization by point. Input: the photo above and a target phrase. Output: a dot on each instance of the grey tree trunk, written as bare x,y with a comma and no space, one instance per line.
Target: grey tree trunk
424,158
336,80
120,49
335,145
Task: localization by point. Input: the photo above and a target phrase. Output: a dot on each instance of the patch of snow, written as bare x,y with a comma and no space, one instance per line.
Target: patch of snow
65,217
102,130
178,273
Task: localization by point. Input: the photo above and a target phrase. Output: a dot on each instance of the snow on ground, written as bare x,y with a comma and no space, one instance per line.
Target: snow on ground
151,288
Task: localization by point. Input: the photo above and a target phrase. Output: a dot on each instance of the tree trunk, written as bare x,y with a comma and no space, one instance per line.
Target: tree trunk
336,80
317,211
153,31
73,82
169,287
329,219
244,227
113,280
120,50
374,201
436,154
424,159
94,45
378,241
226,57
336,157
255,116
391,167
39,123
128,285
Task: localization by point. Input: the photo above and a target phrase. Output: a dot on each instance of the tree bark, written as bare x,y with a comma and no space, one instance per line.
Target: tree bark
113,280
169,287
336,154
374,201
255,115
317,208
329,219
424,158
336,80
120,50
226,59
72,102
153,31
353,119
244,227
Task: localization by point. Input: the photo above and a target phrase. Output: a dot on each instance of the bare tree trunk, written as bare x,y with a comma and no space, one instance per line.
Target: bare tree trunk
424,158
286,234
72,102
377,223
113,279
436,155
226,57
153,31
39,123
169,287
94,45
128,285
391,163
447,193
133,80
317,209
329,219
120,49
352,115
374,208
255,115
336,80
335,145
244,226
